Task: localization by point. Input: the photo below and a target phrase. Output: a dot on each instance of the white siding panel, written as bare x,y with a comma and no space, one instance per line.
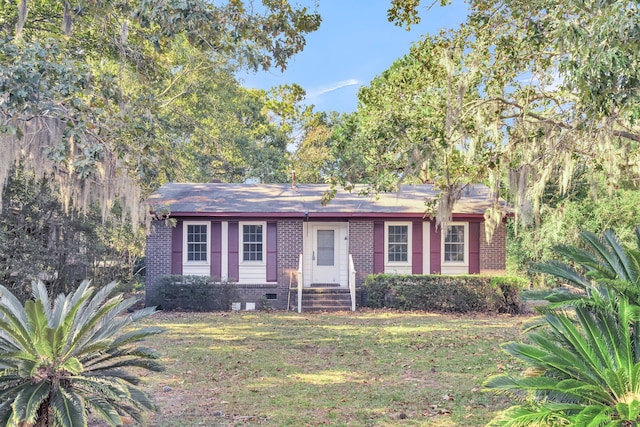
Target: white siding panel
195,270
252,273
455,269
397,269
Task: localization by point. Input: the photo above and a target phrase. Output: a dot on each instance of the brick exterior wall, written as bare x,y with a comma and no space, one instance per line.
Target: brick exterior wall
289,236
361,248
493,255
158,258
289,250
258,295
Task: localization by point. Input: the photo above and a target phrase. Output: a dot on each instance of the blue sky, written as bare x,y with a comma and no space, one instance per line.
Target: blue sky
354,44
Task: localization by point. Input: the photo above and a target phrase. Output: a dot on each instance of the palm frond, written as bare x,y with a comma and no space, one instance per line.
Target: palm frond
6,411
105,410
563,271
112,388
579,256
148,365
14,320
28,400
39,325
634,262
142,313
540,416
594,416
68,409
104,323
608,253
91,313
619,256
142,399
39,292
137,335
628,411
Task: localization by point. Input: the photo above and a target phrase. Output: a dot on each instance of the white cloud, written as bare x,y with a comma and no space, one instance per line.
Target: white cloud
335,86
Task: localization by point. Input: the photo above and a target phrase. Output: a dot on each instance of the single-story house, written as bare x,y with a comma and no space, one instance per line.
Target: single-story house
275,239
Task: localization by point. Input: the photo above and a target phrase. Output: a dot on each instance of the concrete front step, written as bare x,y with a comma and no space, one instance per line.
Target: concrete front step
325,299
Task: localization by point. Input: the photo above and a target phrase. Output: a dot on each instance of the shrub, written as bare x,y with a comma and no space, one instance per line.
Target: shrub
583,363
195,293
460,293
65,358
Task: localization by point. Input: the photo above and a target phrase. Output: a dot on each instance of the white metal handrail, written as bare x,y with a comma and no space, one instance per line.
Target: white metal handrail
352,283
300,281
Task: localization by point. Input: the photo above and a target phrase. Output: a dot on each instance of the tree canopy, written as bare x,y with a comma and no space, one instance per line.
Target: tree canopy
522,94
96,92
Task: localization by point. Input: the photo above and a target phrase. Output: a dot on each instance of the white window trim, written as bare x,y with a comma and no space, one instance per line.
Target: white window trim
241,242
466,247
185,243
388,263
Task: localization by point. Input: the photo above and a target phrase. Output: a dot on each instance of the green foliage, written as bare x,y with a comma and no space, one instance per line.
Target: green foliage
520,97
460,293
562,220
583,356
100,89
195,293
65,358
40,239
315,158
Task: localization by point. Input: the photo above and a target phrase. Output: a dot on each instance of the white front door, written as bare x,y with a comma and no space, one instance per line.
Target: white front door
325,257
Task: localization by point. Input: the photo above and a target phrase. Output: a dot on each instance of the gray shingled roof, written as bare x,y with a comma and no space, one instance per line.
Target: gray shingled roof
220,198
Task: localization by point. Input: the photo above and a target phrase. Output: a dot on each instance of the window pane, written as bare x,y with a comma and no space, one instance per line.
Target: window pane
326,247
252,242
398,243
196,242
454,244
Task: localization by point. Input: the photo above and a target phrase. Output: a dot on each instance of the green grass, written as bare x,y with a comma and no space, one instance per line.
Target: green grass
371,368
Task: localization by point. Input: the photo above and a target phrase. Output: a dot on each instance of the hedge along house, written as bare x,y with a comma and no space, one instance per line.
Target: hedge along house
279,243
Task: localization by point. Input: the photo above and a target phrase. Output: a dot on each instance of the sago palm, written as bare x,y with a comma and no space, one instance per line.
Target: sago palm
584,357
604,266
61,361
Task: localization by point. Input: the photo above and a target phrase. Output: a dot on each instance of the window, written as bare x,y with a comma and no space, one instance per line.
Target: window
197,237
397,247
326,247
252,242
398,243
454,244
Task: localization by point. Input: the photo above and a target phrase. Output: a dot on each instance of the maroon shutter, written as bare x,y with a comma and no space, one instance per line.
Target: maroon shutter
474,248
416,250
436,244
378,247
272,252
216,250
176,249
234,260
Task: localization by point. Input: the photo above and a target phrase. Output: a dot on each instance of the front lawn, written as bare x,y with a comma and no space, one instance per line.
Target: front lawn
371,368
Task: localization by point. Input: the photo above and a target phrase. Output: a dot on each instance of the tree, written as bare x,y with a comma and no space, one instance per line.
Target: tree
218,129
411,125
39,239
63,358
583,361
84,83
533,91
316,153
564,217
